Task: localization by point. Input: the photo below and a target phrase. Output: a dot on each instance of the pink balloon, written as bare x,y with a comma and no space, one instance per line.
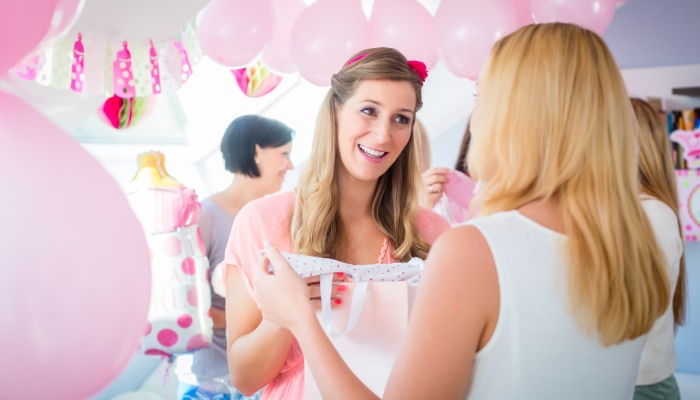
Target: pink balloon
404,25
65,16
75,277
465,31
277,55
595,15
23,24
522,12
325,35
233,33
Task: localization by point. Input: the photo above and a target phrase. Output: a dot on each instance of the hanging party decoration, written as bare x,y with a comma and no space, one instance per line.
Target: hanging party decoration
87,64
155,70
234,32
256,80
122,113
77,77
409,31
467,29
277,55
123,76
324,37
595,15
690,145
688,183
75,276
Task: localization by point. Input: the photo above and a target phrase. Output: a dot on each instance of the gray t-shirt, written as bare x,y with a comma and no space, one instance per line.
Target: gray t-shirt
215,225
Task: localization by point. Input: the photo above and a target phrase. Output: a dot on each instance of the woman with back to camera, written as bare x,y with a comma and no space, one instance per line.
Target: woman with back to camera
549,292
358,201
257,151
657,178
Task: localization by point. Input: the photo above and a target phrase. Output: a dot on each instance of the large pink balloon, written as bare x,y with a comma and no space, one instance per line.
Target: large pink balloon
75,272
65,16
595,15
522,12
465,31
23,24
325,35
277,55
406,26
233,33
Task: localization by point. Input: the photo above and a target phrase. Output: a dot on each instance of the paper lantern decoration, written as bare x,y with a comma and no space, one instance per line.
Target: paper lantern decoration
256,80
688,183
123,113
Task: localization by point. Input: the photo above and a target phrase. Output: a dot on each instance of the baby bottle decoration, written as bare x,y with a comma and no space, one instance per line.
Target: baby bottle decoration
28,70
178,319
61,64
77,77
155,70
184,62
124,85
109,72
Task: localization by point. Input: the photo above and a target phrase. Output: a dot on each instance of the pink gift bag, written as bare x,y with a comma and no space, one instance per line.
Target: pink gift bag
454,204
371,346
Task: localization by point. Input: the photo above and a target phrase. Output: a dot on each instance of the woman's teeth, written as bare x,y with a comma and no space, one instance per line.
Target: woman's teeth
372,153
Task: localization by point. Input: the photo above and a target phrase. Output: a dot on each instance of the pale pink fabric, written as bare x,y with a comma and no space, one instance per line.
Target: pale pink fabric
268,219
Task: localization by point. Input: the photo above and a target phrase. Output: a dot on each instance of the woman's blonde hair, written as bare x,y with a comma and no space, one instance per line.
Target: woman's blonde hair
316,227
658,179
556,122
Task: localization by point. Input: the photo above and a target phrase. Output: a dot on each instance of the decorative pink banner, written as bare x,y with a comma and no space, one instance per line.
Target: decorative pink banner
688,182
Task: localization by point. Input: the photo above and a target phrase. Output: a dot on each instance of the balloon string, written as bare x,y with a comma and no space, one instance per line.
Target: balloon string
169,362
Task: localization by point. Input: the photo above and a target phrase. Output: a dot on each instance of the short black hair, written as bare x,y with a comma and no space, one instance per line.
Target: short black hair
241,136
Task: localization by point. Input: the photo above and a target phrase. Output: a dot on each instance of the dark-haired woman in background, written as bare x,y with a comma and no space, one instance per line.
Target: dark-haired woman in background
257,151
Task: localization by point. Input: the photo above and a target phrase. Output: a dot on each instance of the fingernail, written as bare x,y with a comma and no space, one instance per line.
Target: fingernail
338,301
341,274
267,244
342,288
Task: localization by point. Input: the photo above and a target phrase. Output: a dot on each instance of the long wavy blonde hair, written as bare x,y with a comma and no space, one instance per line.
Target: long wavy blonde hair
315,226
556,122
658,179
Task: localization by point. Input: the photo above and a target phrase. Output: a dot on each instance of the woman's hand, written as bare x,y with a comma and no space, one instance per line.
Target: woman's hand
434,181
283,296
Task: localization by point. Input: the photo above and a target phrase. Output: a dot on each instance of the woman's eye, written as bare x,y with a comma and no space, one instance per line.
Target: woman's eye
402,120
369,111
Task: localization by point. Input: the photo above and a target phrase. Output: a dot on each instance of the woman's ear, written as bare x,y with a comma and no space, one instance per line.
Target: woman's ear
258,149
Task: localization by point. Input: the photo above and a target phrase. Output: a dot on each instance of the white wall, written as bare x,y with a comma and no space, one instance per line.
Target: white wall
658,82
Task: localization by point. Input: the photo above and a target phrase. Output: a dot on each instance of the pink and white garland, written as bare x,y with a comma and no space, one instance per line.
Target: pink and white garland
94,65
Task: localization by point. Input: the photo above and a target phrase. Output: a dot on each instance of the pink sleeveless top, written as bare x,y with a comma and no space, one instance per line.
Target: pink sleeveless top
268,219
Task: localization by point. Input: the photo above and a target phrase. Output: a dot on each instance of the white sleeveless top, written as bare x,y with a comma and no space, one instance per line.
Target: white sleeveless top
538,350
659,354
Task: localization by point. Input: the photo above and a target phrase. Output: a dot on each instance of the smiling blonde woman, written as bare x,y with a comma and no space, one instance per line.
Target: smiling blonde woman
357,202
